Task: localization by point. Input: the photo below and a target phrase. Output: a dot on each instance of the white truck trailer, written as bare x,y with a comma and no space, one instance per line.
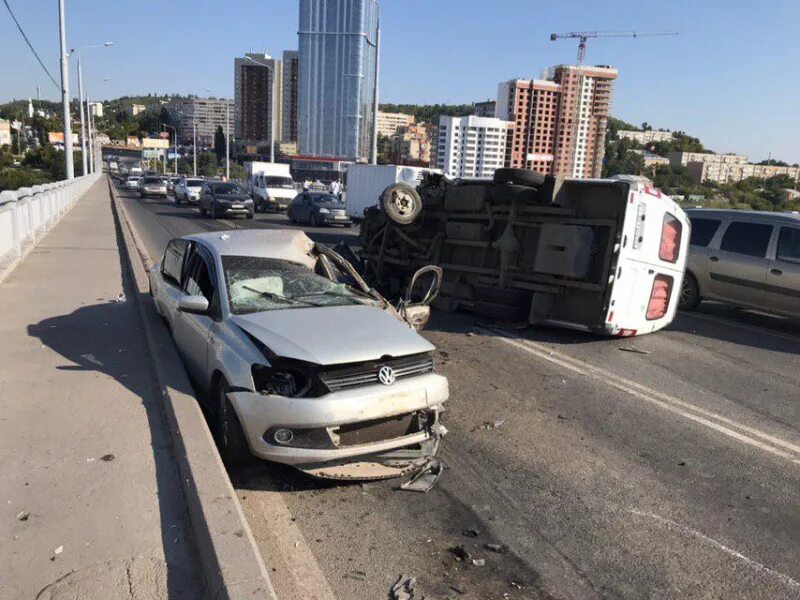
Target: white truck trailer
270,184
365,184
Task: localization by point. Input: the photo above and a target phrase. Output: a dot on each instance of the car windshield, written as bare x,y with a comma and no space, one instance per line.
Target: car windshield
225,188
257,284
325,199
153,180
194,183
279,182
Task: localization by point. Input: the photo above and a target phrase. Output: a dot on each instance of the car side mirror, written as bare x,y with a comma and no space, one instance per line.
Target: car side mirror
433,288
196,305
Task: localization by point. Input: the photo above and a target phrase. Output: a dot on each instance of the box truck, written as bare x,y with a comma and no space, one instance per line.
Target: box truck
365,184
270,185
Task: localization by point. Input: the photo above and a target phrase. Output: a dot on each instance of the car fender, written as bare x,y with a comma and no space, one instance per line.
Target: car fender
233,354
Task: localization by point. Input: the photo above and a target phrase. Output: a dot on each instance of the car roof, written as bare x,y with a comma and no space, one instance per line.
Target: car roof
288,244
746,215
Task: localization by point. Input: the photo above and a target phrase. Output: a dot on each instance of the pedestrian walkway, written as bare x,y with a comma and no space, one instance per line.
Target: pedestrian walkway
90,496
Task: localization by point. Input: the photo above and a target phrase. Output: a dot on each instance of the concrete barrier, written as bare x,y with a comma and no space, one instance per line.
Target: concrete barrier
27,214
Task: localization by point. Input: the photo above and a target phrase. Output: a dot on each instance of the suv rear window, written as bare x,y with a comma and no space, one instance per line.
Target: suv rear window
152,180
750,239
703,231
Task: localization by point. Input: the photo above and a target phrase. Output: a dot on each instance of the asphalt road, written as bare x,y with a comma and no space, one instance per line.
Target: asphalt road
665,466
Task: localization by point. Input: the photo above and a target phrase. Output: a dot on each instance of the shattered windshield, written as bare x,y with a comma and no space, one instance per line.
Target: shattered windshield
257,284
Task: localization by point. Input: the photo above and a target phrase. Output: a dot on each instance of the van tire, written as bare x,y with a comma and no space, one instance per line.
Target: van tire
524,177
689,298
508,193
401,203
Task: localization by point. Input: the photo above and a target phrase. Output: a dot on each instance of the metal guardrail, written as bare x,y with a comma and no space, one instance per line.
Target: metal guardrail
27,214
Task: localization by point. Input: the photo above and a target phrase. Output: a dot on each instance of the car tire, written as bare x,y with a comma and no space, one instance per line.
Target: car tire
314,221
203,210
524,177
401,203
214,210
290,216
228,432
689,298
251,215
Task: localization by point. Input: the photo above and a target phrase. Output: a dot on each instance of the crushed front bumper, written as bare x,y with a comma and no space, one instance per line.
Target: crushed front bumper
369,432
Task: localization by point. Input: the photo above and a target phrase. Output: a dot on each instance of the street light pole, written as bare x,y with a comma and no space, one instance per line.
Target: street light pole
69,166
176,145
194,143
83,126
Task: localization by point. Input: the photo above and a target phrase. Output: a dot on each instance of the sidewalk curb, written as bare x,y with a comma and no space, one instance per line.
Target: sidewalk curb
229,557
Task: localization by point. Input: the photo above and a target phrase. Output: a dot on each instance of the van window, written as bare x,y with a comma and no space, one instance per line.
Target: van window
751,239
703,231
671,231
789,245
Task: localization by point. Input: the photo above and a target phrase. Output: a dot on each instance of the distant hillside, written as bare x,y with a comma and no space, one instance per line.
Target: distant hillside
429,112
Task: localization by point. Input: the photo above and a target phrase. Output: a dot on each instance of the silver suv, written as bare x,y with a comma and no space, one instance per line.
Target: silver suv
746,258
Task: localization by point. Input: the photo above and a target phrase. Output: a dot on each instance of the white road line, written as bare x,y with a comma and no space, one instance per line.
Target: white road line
745,434
744,327
755,565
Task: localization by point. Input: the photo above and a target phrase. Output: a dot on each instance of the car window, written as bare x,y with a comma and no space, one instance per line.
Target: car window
257,284
750,239
172,263
703,231
198,277
152,180
226,188
194,182
789,245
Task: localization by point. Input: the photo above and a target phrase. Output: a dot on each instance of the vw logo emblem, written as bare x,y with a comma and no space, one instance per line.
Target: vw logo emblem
386,375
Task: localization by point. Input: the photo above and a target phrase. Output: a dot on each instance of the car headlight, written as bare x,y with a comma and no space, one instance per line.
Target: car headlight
289,378
324,211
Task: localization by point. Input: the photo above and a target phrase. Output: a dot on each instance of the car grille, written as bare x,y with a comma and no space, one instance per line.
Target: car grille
342,378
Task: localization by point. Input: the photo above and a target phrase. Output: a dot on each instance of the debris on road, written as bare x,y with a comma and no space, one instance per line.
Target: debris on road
120,298
489,425
58,550
471,532
107,457
461,553
425,478
634,350
404,588
478,562
357,575
23,516
497,548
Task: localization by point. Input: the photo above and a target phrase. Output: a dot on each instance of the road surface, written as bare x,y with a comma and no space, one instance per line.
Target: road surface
665,466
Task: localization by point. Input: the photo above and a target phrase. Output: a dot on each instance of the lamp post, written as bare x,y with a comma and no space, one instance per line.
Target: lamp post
271,109
81,95
69,167
176,144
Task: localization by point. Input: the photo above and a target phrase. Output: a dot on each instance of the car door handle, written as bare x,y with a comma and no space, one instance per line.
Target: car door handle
713,258
776,271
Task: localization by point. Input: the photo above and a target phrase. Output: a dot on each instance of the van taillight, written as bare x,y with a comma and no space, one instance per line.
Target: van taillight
659,297
670,239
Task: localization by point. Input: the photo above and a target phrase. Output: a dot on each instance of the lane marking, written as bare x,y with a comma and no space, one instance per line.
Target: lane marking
753,564
743,326
771,444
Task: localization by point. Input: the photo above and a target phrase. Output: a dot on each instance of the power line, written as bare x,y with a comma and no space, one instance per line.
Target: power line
27,41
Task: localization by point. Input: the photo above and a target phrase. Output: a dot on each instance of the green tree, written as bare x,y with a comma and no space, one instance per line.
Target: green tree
219,143
384,147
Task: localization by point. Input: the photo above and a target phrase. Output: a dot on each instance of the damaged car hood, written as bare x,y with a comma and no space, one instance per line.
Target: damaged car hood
333,334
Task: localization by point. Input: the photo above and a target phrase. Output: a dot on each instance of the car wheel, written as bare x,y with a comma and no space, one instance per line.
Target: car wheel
250,215
314,220
690,293
401,203
213,210
519,177
290,216
203,210
231,441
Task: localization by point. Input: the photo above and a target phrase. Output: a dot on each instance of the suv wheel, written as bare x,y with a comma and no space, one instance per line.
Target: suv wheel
690,293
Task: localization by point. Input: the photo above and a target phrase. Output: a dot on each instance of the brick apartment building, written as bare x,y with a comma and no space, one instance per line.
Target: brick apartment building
559,123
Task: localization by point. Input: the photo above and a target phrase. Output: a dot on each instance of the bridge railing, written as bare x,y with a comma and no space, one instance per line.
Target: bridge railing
27,214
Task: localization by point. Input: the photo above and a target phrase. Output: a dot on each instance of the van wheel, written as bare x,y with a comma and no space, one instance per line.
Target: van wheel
519,177
228,431
401,203
690,293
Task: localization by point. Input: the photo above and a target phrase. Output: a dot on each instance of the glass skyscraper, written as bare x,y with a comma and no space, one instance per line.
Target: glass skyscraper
338,53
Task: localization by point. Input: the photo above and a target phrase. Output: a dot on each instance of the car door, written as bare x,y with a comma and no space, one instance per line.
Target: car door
738,269
191,331
167,295
704,230
783,275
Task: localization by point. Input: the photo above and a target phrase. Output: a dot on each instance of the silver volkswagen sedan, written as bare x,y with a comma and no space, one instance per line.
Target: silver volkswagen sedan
298,359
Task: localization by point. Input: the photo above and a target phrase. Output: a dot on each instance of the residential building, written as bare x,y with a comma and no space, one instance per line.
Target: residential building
5,132
391,123
485,109
337,89
471,146
96,108
134,109
257,93
291,79
651,159
644,137
411,146
559,122
730,172
203,115
682,159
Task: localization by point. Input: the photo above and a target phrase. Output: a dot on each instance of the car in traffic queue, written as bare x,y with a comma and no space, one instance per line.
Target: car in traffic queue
132,182
317,209
171,183
225,198
749,259
188,190
152,185
299,361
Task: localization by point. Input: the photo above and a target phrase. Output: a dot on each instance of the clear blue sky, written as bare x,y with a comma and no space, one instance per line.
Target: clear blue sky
729,77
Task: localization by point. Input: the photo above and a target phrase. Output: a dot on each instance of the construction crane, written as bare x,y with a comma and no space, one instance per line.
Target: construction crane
584,36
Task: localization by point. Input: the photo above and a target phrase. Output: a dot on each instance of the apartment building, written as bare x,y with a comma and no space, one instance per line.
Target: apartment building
644,137
338,67
257,93
485,109
559,122
471,146
719,172
96,108
200,115
391,123
682,159
5,132
291,79
411,146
